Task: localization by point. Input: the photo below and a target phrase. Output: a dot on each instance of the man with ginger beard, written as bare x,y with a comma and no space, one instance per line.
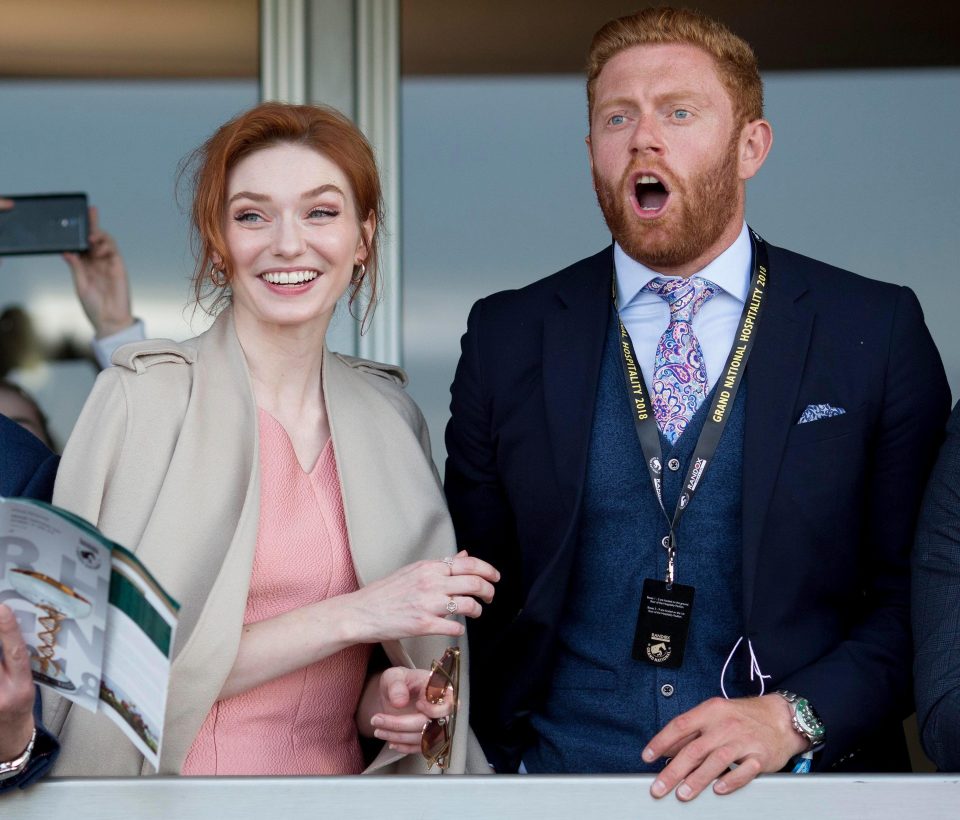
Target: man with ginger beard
696,459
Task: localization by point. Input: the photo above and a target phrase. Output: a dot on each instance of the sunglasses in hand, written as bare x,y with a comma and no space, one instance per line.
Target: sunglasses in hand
436,739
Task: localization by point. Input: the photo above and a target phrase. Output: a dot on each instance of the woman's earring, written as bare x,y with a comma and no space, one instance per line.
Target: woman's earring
359,271
218,277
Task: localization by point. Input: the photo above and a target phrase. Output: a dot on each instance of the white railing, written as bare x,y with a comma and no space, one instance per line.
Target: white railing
775,797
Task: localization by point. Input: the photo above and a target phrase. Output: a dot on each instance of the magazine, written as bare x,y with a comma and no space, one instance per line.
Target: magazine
99,627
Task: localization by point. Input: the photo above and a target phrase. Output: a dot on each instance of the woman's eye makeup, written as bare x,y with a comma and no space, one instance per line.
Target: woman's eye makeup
317,212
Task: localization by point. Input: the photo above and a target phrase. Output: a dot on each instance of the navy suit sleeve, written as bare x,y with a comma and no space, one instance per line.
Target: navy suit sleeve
28,469
40,484
865,682
936,607
45,751
484,524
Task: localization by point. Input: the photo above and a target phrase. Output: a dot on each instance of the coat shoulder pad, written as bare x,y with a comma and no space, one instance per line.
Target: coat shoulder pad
138,356
391,372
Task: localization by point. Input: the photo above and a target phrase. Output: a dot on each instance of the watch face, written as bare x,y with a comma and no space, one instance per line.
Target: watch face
808,721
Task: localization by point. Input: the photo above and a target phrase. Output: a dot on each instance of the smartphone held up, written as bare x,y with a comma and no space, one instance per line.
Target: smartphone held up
44,223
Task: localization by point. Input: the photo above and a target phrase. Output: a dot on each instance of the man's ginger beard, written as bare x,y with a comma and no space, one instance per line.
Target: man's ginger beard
705,209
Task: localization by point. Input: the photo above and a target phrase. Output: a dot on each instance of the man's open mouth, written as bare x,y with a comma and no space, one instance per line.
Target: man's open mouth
651,194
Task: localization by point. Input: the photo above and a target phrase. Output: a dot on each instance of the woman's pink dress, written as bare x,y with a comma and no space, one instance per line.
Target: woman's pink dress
301,723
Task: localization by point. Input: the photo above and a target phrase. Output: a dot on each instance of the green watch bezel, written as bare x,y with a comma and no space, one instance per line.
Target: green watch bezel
808,721
805,719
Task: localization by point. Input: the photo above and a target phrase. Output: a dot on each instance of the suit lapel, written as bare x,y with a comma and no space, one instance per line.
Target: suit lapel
573,337
774,373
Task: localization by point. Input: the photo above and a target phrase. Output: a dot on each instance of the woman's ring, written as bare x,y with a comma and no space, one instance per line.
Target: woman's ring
448,560
452,607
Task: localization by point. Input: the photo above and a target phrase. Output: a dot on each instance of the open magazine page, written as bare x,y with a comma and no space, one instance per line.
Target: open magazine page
55,576
136,665
99,627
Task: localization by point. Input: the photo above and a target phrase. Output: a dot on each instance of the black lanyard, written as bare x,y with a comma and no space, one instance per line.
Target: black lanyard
648,432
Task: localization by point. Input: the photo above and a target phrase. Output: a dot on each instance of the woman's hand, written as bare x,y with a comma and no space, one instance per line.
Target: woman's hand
419,599
399,707
415,600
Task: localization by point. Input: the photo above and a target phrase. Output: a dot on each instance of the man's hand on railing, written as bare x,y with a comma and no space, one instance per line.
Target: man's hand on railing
757,734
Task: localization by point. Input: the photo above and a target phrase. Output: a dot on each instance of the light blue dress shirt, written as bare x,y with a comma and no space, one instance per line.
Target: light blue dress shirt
646,315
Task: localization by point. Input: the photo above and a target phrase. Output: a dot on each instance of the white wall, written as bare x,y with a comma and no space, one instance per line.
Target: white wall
497,193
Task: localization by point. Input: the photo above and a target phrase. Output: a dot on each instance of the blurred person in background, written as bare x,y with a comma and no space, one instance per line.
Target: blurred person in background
19,406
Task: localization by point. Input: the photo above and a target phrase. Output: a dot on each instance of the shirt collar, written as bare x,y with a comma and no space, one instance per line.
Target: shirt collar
730,270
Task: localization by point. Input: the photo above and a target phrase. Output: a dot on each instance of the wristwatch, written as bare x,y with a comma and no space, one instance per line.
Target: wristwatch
11,768
806,720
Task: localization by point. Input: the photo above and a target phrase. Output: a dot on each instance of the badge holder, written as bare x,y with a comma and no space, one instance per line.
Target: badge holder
664,620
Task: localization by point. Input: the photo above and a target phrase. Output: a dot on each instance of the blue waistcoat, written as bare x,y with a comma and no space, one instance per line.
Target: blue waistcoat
603,705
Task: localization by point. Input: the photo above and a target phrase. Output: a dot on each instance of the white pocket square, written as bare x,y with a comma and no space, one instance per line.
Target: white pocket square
815,412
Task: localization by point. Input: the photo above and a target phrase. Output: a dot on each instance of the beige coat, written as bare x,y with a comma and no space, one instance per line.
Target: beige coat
165,460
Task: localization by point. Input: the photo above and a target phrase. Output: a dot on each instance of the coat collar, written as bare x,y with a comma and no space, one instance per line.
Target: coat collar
220,415
393,504
386,480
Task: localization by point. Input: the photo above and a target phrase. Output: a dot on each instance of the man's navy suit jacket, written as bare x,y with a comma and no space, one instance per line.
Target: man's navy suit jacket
936,606
28,468
828,507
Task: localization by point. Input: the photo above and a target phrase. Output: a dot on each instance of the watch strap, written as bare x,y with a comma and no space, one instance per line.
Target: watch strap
11,768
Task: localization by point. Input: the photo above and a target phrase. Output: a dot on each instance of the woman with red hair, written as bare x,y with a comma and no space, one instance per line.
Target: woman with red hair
283,493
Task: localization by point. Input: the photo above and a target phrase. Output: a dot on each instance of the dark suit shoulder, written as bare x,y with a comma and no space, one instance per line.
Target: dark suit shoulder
880,321
27,467
826,279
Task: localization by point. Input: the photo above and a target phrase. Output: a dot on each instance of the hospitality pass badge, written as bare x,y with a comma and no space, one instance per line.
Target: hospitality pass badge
663,623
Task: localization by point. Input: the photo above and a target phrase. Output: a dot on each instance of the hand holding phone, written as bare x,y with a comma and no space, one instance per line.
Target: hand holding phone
101,282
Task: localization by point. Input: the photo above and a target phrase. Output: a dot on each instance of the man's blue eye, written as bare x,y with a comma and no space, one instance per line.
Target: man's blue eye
617,119
681,114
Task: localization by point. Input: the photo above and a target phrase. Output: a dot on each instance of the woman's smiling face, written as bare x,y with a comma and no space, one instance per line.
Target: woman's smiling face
293,235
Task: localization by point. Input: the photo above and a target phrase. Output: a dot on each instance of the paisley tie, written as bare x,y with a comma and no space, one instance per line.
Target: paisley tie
679,373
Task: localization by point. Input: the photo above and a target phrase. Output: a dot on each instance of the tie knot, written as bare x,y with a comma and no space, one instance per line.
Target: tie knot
684,297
